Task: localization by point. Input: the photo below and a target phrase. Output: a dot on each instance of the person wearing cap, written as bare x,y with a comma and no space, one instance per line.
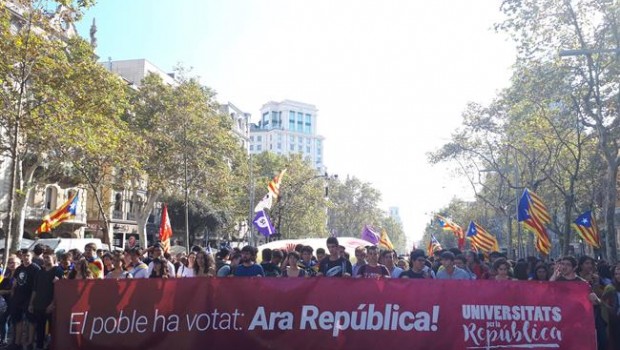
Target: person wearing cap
449,271
418,266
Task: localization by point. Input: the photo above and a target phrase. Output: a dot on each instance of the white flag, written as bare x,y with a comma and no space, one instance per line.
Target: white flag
264,203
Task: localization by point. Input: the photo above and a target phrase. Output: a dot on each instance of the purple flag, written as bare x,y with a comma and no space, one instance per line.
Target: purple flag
263,224
369,235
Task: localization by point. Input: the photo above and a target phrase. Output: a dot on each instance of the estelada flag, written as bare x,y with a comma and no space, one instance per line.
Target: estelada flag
585,225
58,216
165,230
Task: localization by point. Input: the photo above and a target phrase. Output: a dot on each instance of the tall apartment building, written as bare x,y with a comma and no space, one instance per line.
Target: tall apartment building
288,127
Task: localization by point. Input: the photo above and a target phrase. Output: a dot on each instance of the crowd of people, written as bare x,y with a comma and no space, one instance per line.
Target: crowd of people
27,286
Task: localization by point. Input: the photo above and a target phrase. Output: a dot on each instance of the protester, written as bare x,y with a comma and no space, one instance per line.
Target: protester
334,265
6,287
293,270
270,267
360,259
373,269
205,265
502,269
118,268
37,257
94,262
541,273
187,269
22,319
611,299
41,303
66,264
449,271
158,253
461,262
159,268
228,270
81,270
248,267
136,267
309,265
387,259
417,260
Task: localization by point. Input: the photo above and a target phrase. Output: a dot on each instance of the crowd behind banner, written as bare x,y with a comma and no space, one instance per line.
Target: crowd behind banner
28,281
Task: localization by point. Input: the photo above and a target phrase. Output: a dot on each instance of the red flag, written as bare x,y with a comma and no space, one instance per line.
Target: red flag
165,230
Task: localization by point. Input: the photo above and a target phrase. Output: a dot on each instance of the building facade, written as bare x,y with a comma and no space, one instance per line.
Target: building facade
133,71
240,124
288,127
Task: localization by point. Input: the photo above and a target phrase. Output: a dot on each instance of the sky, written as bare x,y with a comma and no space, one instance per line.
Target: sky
390,78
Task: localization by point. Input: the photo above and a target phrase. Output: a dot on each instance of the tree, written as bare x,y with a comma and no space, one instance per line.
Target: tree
46,74
355,204
189,149
300,211
539,28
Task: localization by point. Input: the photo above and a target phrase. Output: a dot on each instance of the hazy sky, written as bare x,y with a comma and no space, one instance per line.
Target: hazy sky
390,78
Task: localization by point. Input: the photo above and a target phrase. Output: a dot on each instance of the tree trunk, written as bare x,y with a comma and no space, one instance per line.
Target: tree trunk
610,211
511,254
568,205
142,217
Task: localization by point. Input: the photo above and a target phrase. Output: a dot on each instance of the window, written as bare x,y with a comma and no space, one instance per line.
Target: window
291,120
51,193
307,149
252,138
118,202
300,122
292,138
300,148
265,120
259,147
292,147
251,147
308,140
259,138
270,146
280,137
279,146
308,125
275,119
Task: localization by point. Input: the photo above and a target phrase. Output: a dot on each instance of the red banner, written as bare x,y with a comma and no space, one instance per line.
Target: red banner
321,313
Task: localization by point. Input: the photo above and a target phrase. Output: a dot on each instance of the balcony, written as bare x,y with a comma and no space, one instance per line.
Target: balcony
37,214
118,215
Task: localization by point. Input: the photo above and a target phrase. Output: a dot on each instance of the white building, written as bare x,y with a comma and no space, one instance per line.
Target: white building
135,70
288,127
241,123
